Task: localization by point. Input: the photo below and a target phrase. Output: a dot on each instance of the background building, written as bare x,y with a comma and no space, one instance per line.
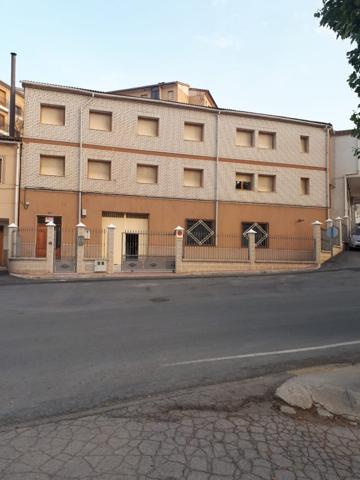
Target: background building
345,191
5,109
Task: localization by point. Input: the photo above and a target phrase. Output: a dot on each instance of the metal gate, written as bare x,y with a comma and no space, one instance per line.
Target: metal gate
146,251
65,249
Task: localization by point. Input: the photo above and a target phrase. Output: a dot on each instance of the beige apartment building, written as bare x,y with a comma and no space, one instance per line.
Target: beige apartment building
148,165
5,109
9,164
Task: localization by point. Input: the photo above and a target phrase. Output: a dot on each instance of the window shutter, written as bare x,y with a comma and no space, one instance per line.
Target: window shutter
148,126
193,132
99,170
266,183
100,121
192,178
54,166
52,115
146,174
244,138
266,140
244,181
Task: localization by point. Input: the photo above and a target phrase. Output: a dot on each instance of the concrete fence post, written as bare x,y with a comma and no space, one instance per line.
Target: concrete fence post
347,228
50,247
251,246
317,241
80,247
179,236
12,229
338,225
329,223
110,248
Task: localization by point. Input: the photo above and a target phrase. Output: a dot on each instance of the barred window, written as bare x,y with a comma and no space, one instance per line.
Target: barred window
261,236
200,232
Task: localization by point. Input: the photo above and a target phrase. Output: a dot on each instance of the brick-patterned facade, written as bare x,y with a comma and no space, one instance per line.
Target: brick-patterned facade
171,153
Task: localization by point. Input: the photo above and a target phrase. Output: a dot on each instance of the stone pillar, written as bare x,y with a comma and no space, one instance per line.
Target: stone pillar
338,225
251,246
12,231
179,237
110,247
50,247
347,228
317,239
80,247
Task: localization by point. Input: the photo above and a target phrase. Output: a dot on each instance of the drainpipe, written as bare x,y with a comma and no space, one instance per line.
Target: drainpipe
17,184
12,96
217,176
327,162
82,108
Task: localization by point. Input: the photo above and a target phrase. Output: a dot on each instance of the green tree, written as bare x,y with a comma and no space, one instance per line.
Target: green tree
343,17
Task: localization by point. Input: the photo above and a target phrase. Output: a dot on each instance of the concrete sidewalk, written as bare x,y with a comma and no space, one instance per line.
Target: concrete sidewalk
228,431
332,392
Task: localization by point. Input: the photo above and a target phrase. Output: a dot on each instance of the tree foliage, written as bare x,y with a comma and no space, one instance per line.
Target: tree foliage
343,17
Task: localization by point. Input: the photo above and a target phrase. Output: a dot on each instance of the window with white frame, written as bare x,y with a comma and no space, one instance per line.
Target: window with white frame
266,183
146,173
100,121
52,165
244,138
99,169
193,132
193,177
52,115
266,140
148,126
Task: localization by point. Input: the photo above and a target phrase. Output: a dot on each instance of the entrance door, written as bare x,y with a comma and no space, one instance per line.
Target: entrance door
1,245
41,236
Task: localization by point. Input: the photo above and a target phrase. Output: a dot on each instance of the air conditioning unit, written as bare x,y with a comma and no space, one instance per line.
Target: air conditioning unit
100,266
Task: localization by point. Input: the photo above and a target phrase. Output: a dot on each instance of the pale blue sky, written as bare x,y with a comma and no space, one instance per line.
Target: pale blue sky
261,55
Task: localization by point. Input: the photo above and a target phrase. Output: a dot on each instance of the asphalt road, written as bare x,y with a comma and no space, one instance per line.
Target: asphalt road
71,346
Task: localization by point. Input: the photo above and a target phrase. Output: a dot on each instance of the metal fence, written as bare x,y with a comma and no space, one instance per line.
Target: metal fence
95,244
148,251
286,249
228,248
25,242
325,241
65,242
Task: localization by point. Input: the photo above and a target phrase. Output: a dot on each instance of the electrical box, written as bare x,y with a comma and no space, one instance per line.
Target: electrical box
100,266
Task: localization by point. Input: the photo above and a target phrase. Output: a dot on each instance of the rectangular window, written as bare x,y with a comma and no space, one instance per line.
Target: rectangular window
100,121
2,97
18,111
170,95
2,122
52,115
305,186
194,132
244,138
148,126
304,144
266,140
261,236
99,169
147,173
52,165
266,183
193,177
244,181
199,232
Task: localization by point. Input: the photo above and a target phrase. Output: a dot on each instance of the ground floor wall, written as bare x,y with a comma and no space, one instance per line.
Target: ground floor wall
165,214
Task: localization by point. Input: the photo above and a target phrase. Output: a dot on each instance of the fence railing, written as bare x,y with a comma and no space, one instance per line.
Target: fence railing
286,249
24,240
325,241
227,248
95,244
